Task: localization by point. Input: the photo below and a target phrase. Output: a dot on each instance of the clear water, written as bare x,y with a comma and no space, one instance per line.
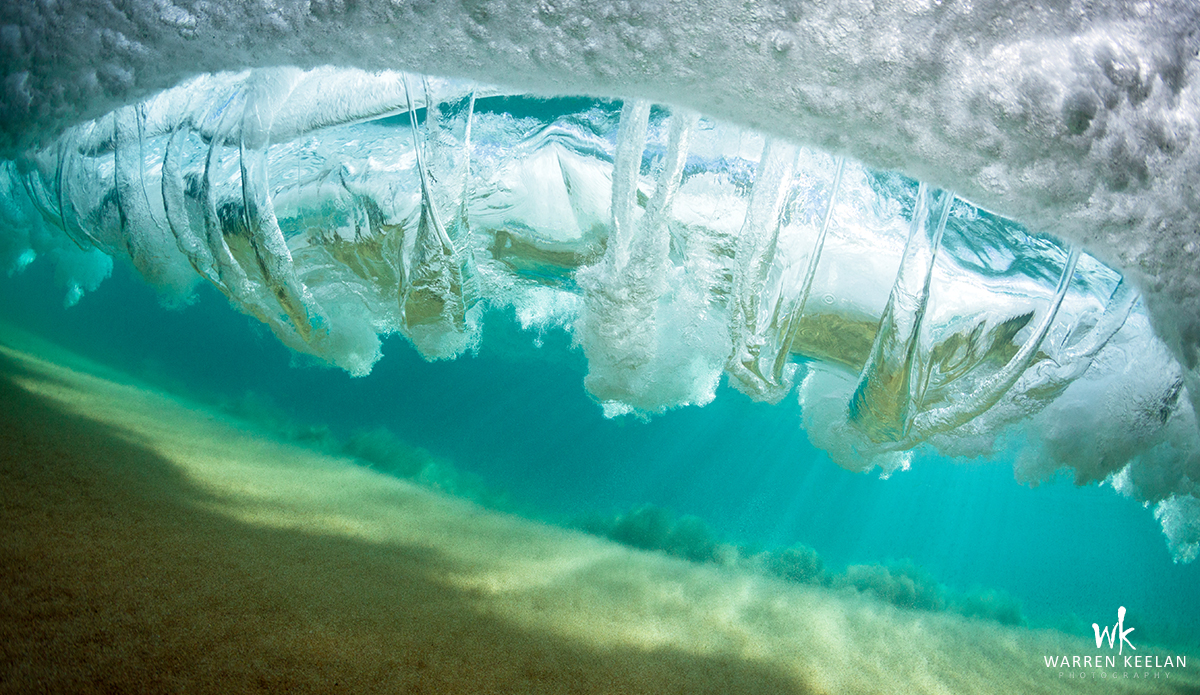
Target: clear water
516,416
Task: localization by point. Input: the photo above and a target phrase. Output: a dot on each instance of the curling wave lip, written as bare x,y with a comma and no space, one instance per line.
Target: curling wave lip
677,248
1081,121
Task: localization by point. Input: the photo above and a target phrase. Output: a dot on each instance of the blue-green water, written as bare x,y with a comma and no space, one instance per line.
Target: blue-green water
515,414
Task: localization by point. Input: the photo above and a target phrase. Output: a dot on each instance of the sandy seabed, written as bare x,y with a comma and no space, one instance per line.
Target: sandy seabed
151,545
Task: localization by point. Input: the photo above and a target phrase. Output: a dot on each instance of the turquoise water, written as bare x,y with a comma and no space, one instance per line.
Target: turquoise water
515,415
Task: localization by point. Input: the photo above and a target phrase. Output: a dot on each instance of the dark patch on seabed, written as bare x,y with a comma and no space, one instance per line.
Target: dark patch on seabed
115,579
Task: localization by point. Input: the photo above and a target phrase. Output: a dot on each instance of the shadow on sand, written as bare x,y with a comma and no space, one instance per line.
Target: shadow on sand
115,578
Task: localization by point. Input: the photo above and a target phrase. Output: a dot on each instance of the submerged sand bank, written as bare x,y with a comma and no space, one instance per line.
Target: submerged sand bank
151,545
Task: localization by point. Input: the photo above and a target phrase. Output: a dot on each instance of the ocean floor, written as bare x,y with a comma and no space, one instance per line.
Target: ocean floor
150,544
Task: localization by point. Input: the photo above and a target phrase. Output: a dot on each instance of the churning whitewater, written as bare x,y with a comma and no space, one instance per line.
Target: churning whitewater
732,216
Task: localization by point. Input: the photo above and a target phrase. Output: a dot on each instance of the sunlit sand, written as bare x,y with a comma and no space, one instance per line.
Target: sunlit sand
151,544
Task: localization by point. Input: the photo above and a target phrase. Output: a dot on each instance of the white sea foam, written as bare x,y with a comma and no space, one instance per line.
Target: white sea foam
1077,119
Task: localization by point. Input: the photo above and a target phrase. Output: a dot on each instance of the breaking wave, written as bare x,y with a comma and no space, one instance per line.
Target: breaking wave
677,249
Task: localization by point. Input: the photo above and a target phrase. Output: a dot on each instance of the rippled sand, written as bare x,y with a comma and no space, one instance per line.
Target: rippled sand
152,545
